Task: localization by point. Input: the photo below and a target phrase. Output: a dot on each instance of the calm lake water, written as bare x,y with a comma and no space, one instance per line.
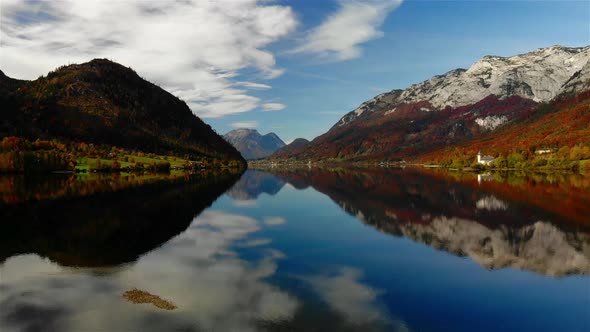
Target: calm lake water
298,250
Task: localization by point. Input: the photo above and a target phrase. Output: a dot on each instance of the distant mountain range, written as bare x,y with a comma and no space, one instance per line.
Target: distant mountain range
102,102
512,96
292,148
253,145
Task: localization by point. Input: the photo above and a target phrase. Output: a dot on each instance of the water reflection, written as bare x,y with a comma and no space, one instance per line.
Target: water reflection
344,291
67,262
253,184
106,228
213,288
201,273
457,213
295,261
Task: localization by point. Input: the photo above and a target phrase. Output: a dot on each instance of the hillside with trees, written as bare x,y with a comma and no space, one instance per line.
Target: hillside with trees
87,110
551,135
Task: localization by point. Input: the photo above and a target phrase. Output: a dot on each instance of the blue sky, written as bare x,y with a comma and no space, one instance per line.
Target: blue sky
291,67
421,39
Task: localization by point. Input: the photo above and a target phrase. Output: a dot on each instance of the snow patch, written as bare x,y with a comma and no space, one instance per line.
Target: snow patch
491,122
538,75
391,111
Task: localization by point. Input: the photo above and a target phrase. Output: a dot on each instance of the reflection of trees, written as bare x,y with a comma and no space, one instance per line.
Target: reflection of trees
94,227
22,188
214,289
495,224
199,270
254,183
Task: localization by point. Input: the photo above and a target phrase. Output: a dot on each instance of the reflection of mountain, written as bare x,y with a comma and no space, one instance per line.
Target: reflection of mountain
193,269
254,183
199,270
458,216
540,247
107,228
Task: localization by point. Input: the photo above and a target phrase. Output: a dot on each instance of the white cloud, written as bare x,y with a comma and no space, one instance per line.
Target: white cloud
255,243
339,37
247,203
192,48
253,85
269,107
274,221
348,295
245,124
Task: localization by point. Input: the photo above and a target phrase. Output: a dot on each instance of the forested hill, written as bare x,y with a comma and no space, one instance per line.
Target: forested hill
102,102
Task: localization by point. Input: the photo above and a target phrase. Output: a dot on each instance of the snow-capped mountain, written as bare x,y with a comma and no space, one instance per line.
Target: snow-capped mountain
253,145
530,100
539,75
580,81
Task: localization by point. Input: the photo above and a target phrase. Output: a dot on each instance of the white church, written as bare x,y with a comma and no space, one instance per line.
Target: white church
484,160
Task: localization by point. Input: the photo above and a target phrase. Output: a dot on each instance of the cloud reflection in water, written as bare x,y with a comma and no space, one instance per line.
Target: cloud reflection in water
198,271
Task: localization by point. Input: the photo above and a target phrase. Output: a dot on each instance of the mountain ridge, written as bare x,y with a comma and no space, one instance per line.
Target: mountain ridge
454,108
293,147
103,102
252,145
492,75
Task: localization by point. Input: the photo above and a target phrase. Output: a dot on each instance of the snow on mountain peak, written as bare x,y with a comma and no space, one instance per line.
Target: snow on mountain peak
539,75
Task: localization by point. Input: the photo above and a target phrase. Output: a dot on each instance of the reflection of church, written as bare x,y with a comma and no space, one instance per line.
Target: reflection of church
484,177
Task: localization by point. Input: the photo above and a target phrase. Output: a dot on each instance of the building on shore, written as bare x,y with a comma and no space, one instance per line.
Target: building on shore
484,160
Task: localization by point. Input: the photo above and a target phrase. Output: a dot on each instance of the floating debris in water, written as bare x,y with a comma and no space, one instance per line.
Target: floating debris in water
138,296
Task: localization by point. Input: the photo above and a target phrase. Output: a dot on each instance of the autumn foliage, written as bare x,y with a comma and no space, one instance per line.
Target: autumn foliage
104,103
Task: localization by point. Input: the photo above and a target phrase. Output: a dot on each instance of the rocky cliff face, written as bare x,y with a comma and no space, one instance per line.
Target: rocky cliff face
580,81
539,75
500,96
252,145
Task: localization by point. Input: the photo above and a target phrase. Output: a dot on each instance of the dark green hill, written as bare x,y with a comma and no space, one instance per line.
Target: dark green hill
103,102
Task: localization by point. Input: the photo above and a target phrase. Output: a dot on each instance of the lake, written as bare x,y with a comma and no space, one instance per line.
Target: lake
296,250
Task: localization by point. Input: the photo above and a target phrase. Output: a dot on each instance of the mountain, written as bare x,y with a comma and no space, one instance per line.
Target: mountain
456,107
496,224
292,148
102,102
252,145
254,183
562,123
580,81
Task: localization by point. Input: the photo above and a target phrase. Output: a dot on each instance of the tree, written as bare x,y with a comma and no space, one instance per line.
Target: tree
514,159
500,162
